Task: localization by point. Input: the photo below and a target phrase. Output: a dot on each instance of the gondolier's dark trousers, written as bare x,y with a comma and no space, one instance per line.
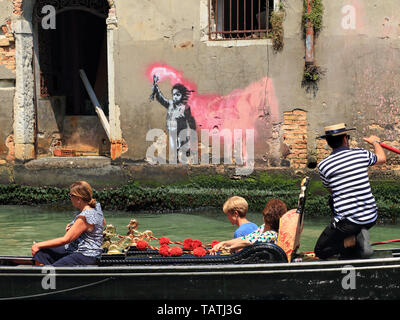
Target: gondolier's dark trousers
331,240
58,256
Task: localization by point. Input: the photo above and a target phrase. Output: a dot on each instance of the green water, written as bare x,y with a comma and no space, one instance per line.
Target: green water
20,226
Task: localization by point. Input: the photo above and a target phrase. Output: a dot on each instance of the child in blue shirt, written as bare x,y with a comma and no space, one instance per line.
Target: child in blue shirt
236,209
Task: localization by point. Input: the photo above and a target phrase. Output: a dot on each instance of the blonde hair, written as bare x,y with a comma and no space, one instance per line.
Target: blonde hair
236,203
83,190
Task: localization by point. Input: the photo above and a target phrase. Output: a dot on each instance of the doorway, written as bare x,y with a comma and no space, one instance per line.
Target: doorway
66,117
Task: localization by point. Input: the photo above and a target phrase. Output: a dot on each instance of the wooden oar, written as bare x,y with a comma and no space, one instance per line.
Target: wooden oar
389,148
384,242
291,224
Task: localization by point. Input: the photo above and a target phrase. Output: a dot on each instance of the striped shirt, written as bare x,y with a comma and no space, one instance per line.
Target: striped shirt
345,173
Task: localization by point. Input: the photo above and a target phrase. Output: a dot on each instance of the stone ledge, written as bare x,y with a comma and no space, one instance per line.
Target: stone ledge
68,162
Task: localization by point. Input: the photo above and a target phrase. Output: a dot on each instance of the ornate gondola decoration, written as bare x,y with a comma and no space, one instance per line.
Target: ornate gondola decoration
115,244
136,249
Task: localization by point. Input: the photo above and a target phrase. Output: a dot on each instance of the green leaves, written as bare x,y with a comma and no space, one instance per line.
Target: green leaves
207,191
315,16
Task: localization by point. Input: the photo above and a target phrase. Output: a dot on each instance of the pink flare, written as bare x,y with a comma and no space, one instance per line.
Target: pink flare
165,72
240,109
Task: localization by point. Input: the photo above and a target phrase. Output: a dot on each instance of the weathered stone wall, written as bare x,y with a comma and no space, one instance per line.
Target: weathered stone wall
358,87
357,48
7,81
256,83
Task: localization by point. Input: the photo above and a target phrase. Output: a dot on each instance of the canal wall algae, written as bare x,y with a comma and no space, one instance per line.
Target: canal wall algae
135,188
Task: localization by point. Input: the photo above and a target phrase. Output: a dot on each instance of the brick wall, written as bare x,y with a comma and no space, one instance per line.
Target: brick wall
17,7
295,137
7,47
322,150
393,159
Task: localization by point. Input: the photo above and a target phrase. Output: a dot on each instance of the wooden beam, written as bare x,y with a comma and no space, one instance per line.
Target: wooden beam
96,104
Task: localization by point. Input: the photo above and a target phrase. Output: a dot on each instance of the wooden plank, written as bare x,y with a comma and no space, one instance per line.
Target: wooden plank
96,104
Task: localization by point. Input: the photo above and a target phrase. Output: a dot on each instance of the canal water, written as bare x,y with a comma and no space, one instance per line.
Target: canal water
21,225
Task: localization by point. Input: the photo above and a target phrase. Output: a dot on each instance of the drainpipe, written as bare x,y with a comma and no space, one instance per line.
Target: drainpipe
309,38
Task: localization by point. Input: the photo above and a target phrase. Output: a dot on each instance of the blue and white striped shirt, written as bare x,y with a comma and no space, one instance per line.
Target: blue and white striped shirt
345,173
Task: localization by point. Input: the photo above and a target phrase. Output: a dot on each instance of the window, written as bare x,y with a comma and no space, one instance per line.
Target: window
239,19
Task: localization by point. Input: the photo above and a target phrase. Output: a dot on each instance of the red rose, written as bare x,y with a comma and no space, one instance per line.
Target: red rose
187,244
164,250
163,240
199,252
213,243
175,251
196,244
142,245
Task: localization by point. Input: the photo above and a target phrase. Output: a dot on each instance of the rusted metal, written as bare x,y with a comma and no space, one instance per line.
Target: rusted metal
116,149
238,25
309,38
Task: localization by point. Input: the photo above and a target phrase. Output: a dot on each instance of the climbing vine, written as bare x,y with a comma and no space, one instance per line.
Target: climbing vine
277,18
315,16
312,73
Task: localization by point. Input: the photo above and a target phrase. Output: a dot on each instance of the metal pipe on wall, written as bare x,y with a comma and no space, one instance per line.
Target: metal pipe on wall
309,38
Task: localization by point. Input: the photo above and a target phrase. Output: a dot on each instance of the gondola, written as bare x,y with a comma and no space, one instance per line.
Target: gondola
255,274
258,272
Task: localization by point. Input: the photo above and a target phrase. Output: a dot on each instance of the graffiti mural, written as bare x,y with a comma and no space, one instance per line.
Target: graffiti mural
242,110
179,116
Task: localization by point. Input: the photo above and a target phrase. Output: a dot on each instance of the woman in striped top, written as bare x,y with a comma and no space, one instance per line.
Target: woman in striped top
345,174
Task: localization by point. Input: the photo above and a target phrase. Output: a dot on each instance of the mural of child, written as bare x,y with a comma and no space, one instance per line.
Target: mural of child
179,116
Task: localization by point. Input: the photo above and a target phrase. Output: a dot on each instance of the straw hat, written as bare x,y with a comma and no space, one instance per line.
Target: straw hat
336,130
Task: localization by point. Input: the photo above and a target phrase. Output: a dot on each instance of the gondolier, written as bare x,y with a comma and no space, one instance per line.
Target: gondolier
345,174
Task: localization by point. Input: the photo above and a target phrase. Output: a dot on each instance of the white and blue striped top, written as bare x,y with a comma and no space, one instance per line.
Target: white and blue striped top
345,173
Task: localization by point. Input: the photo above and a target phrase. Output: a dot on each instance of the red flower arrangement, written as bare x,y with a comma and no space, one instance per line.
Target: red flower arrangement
190,244
199,252
196,244
213,243
187,244
164,250
163,240
194,247
175,251
142,245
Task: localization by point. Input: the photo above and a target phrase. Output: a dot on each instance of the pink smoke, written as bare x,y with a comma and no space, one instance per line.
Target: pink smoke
240,109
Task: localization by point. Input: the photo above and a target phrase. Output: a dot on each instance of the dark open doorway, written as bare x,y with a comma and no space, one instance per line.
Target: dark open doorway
66,117
77,42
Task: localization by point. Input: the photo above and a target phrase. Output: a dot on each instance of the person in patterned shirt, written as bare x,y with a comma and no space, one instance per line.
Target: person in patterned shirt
267,233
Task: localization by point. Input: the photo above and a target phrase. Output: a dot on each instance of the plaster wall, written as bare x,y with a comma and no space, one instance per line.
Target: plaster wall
357,48
171,34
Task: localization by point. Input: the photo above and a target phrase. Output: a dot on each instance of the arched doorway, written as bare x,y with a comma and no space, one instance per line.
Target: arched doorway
66,117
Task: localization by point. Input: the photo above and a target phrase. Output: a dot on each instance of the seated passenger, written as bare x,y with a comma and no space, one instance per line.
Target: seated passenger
267,233
236,209
82,241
